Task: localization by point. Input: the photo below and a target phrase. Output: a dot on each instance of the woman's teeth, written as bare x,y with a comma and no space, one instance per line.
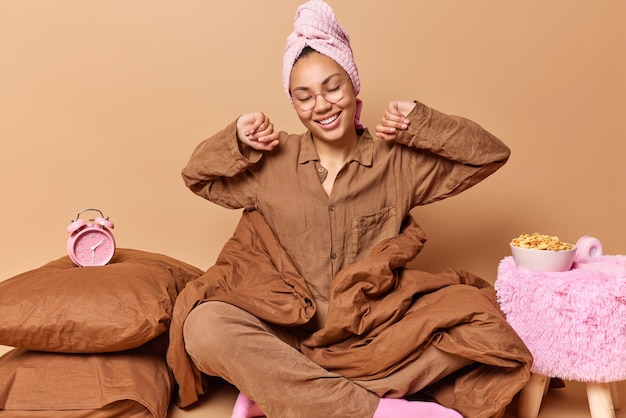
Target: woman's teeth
328,120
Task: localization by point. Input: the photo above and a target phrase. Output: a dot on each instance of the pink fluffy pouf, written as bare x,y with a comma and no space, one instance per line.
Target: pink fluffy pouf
573,322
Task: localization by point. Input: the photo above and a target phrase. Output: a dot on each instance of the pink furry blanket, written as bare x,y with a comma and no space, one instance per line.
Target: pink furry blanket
573,322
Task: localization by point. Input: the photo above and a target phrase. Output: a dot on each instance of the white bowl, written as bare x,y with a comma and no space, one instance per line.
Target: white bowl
543,260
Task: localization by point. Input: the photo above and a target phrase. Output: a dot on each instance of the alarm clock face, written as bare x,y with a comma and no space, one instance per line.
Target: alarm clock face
92,247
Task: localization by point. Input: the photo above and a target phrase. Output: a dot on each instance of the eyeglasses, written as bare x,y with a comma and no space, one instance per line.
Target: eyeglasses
305,100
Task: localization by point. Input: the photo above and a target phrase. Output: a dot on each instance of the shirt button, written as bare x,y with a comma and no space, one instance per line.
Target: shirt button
333,256
331,208
321,169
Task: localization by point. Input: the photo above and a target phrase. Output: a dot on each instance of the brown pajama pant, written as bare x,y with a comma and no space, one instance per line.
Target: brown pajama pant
264,362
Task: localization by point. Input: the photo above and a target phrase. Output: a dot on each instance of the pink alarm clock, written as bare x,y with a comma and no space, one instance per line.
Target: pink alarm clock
91,244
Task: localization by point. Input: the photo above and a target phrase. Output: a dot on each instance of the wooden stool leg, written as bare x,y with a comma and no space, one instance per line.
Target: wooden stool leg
615,395
531,396
599,397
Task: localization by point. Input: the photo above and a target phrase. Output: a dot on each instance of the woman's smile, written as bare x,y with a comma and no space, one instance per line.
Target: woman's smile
329,122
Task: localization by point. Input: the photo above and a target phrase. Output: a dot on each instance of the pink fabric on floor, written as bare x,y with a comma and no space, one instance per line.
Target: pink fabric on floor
396,408
573,322
246,408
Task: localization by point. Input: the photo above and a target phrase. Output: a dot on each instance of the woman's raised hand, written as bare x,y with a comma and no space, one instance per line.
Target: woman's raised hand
256,131
394,119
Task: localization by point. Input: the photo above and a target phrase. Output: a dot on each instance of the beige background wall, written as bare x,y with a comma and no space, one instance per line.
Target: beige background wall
101,103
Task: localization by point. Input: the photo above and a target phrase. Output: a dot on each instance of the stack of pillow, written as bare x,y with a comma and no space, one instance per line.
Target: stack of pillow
90,341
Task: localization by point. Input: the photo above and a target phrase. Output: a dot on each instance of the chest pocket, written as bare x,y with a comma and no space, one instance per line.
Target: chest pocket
369,230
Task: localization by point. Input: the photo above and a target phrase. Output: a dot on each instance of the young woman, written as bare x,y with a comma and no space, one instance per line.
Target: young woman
329,211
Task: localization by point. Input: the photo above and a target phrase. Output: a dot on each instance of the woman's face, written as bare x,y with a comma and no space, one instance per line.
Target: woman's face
316,82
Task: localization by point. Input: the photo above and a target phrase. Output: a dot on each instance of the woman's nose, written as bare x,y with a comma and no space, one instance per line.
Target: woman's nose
321,103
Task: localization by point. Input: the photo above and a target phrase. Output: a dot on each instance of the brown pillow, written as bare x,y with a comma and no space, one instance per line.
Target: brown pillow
134,383
63,308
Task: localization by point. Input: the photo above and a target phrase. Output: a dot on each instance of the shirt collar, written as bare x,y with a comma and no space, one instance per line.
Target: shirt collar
363,154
